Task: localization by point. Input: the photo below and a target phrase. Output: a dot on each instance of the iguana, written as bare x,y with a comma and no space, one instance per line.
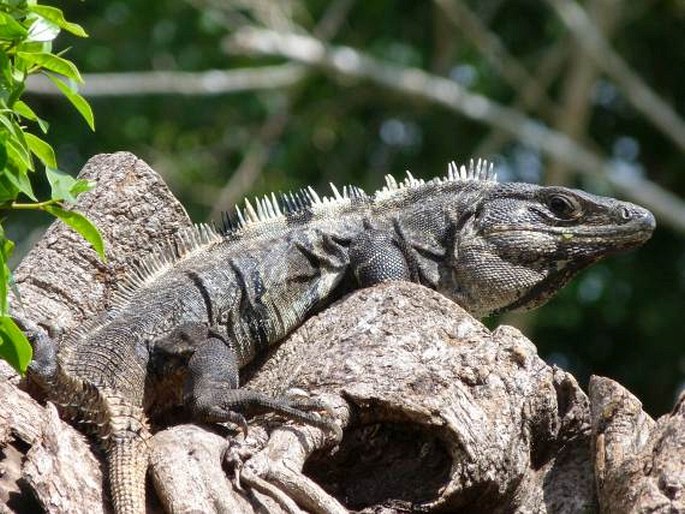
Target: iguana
212,300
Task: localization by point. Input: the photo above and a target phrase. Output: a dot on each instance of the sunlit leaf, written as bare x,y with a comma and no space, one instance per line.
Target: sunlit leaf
20,179
16,86
82,225
76,100
52,62
56,16
14,347
8,191
41,149
10,28
42,30
18,156
21,108
62,184
81,185
6,249
3,149
17,147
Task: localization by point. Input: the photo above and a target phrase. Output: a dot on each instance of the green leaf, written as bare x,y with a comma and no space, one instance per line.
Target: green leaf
17,85
56,16
6,249
22,109
3,149
8,191
10,28
17,147
20,179
42,150
76,100
6,73
14,347
82,225
17,155
52,62
42,31
62,184
81,185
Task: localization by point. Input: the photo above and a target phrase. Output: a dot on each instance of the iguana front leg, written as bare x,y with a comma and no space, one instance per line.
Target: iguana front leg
212,391
376,257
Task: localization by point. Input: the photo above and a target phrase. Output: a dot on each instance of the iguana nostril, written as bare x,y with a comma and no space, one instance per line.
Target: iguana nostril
625,214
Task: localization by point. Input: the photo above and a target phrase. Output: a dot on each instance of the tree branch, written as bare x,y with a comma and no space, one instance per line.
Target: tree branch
212,82
549,67
582,74
348,62
257,153
639,94
492,49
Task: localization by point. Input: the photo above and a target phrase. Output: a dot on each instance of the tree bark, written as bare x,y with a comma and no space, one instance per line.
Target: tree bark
437,412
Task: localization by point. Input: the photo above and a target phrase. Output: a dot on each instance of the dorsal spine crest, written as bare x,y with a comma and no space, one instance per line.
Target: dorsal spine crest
185,243
272,208
481,169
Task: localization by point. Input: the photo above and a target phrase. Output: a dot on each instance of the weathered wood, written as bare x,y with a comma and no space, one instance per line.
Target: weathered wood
437,411
443,413
639,462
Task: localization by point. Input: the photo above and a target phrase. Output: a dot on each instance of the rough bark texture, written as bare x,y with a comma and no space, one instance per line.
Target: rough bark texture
437,411
639,462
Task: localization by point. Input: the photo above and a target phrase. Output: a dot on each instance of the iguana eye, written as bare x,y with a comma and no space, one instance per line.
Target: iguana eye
563,206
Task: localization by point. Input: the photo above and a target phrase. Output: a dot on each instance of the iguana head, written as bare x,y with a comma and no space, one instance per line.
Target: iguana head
517,244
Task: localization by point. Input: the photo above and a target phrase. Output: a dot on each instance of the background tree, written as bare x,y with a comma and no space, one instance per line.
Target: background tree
230,98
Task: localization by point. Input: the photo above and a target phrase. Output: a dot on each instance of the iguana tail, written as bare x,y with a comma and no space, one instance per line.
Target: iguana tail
128,456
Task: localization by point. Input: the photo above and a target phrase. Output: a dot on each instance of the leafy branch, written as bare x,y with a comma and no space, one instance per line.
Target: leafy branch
27,31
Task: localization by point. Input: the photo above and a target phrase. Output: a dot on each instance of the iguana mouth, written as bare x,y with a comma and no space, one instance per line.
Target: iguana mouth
637,229
615,233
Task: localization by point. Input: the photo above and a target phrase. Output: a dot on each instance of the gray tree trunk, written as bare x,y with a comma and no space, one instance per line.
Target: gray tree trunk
438,412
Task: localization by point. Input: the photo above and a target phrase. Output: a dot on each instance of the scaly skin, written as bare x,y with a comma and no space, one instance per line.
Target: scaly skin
207,305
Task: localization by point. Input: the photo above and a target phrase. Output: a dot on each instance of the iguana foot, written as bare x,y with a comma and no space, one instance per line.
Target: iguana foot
43,365
219,404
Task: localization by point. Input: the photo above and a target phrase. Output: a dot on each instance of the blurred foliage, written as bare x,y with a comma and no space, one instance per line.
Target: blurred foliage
620,318
27,31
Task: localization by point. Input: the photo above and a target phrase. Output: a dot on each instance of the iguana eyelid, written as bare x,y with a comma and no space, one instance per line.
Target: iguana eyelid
564,206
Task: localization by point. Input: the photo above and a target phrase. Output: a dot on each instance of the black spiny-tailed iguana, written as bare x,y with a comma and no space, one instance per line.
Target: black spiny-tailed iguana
213,301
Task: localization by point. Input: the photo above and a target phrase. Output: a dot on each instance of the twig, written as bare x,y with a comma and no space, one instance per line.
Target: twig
548,69
580,78
348,62
639,94
252,163
331,21
492,49
212,82
257,154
